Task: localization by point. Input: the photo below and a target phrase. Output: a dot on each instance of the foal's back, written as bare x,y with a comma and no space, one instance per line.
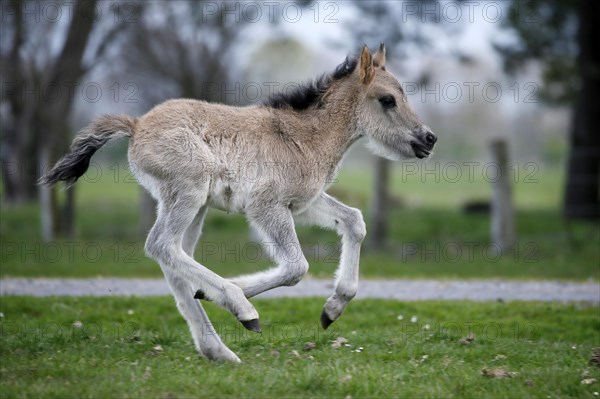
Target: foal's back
208,120
191,131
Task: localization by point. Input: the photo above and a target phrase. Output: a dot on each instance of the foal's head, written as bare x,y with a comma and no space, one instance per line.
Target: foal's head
384,115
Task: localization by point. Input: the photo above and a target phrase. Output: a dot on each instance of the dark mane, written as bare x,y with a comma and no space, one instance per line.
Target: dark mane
303,96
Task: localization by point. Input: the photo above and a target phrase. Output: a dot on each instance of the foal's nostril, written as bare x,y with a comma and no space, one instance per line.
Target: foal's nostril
430,138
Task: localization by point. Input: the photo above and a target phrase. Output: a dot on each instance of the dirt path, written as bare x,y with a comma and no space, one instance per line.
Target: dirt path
405,290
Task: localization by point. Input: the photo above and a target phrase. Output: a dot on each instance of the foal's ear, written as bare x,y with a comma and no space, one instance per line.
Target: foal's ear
366,71
379,57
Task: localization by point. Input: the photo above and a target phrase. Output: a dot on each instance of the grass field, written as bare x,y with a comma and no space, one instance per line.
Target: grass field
430,236
126,347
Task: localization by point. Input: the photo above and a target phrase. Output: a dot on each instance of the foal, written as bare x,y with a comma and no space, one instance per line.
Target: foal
272,162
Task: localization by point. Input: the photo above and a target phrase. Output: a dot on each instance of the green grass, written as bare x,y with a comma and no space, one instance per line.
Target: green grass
430,236
112,353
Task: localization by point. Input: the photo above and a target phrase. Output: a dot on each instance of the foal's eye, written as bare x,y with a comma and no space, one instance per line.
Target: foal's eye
387,102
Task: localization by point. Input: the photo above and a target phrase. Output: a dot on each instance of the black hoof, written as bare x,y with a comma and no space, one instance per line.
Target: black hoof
325,320
199,295
252,325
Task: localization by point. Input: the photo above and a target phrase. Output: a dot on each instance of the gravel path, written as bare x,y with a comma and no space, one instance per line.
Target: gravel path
405,290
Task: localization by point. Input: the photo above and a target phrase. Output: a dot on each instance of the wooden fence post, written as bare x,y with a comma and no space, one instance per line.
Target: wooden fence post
503,211
380,206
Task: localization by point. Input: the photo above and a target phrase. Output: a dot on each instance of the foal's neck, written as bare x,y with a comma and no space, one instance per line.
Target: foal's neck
335,122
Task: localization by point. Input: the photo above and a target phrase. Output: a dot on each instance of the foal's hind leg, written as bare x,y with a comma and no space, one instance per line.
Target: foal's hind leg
192,233
177,210
329,213
206,339
276,226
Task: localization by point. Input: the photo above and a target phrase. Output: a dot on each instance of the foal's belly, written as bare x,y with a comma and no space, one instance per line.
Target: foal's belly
235,197
227,196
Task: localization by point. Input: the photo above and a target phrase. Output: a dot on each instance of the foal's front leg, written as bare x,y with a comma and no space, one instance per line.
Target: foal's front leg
329,213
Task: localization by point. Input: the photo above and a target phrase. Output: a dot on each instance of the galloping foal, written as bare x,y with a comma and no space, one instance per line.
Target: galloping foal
191,155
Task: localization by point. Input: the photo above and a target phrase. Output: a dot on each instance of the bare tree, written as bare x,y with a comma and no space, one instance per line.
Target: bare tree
36,128
582,191
564,40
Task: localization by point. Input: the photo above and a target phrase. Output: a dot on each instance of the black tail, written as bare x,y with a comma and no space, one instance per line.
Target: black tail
73,165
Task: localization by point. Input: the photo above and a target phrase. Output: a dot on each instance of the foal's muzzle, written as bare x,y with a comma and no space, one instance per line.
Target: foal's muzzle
425,140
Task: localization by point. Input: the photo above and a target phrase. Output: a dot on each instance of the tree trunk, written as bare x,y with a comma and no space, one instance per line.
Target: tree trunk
582,192
68,68
379,228
46,200
67,217
19,152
